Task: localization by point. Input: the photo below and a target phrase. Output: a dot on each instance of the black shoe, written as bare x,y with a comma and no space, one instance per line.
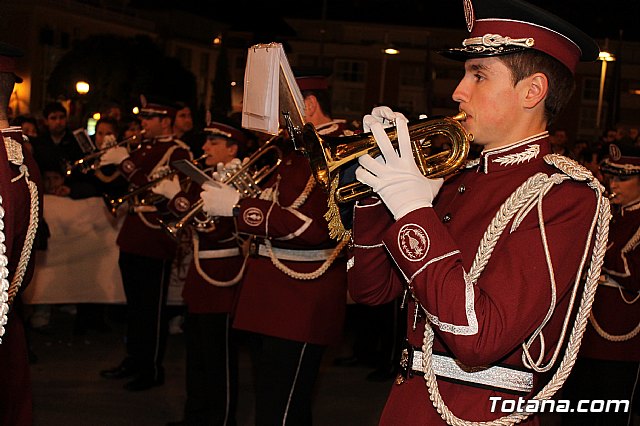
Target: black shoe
144,382
127,368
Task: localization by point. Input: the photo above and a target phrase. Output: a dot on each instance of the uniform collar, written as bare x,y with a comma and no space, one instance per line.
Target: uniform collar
164,138
632,206
330,127
515,154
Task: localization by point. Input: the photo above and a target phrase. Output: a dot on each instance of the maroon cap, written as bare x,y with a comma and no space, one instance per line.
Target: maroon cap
157,110
312,82
501,27
622,162
225,131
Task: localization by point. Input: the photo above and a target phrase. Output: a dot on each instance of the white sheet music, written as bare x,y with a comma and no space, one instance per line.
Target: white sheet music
261,104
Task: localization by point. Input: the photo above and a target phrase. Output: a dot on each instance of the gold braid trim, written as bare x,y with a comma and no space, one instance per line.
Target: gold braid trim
305,275
613,337
233,281
517,201
28,242
4,274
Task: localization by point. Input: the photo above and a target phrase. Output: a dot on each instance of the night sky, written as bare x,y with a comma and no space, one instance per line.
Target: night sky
600,19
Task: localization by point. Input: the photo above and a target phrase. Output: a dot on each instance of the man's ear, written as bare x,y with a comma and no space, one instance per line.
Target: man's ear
310,105
233,150
535,88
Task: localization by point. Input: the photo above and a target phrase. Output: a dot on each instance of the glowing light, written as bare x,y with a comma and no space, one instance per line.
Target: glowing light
82,87
135,110
96,116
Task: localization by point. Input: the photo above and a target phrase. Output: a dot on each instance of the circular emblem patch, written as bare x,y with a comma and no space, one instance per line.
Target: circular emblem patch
413,242
252,216
128,166
182,204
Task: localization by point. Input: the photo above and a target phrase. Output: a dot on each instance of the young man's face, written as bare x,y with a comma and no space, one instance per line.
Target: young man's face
156,126
183,122
217,151
56,122
625,188
486,93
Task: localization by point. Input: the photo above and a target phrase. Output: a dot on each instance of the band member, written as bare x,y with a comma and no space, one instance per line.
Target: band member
20,209
210,291
146,251
490,268
609,359
293,294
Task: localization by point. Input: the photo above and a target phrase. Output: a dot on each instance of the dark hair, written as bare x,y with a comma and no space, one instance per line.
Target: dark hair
19,120
53,107
181,105
323,97
561,81
108,120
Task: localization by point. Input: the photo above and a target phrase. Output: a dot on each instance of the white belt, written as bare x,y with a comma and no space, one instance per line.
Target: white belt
219,254
296,255
144,209
495,377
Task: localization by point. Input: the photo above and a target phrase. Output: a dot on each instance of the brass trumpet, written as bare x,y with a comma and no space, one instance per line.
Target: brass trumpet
328,156
246,179
90,161
113,204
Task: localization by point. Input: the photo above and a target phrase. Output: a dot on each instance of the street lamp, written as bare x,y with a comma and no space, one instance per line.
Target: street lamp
604,57
82,87
386,51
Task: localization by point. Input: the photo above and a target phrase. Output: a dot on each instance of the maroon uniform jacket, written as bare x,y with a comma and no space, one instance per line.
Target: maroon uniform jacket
616,311
484,321
209,286
271,302
141,233
15,386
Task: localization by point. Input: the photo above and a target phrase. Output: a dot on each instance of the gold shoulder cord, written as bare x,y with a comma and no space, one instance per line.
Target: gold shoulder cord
204,275
529,195
303,276
9,291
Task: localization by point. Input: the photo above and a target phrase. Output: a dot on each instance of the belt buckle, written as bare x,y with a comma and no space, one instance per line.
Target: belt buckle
406,362
253,247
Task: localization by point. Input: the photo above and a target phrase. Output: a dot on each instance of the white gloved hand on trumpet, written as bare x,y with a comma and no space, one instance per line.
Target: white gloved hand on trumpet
218,200
168,188
115,155
394,176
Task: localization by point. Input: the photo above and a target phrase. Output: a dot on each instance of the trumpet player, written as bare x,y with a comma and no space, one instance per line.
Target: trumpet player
491,261
146,252
209,292
292,299
608,365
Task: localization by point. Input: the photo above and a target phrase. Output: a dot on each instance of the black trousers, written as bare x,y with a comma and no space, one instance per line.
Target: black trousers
145,282
594,379
285,373
211,370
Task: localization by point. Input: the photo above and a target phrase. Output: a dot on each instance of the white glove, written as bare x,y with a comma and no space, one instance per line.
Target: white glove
383,115
397,180
223,171
168,188
114,156
219,200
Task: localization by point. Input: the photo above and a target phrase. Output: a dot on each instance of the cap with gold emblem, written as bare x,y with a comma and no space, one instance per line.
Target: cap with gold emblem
156,109
222,130
501,27
622,161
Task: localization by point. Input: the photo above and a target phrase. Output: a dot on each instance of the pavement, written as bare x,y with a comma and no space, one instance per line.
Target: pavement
68,390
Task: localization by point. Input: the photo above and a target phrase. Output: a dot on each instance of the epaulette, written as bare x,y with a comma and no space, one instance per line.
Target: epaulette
574,170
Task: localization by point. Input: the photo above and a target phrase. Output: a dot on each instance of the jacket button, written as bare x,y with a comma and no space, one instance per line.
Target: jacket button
446,218
461,189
